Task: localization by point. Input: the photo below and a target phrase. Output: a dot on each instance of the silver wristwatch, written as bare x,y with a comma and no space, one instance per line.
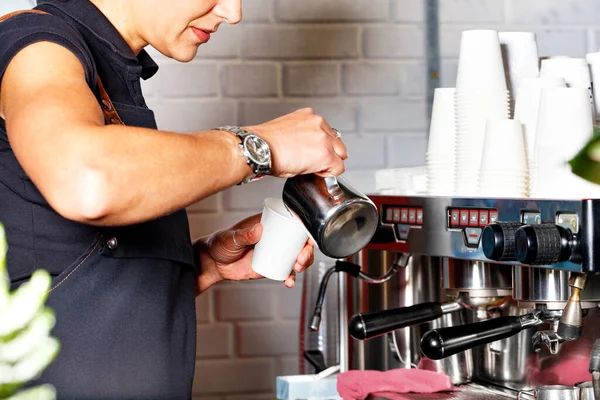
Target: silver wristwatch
254,149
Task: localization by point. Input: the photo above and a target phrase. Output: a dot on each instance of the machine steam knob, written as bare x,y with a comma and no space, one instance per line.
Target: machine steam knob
498,241
544,244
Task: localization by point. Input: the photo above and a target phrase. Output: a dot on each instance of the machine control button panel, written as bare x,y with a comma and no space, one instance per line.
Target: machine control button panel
460,218
408,215
472,236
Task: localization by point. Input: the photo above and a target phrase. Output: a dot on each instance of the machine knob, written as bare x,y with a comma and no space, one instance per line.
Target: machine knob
498,241
544,244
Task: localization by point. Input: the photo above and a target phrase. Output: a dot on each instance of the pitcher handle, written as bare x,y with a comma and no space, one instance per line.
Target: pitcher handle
333,187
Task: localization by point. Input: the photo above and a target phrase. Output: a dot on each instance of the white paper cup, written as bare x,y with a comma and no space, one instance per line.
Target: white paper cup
504,146
282,239
442,130
520,55
564,122
564,125
575,71
480,63
527,106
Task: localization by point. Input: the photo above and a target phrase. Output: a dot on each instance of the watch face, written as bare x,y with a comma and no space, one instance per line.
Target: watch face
258,149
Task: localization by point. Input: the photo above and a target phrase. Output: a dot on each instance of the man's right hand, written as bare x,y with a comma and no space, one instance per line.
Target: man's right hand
302,143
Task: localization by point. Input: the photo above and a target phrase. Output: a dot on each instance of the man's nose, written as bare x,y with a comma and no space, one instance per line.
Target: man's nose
230,10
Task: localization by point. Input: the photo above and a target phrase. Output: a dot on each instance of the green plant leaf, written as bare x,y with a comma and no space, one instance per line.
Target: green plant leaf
25,303
26,347
27,339
586,163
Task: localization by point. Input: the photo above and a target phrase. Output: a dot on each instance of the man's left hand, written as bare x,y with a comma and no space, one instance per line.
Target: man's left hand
227,255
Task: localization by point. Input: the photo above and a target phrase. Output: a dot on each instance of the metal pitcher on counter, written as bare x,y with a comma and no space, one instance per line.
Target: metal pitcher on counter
340,219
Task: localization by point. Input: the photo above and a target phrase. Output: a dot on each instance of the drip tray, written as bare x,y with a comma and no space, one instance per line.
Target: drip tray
466,392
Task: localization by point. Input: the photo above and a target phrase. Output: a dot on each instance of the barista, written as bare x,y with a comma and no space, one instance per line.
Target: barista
93,192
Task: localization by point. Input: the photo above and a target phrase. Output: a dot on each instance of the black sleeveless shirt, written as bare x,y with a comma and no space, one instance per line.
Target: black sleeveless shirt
38,237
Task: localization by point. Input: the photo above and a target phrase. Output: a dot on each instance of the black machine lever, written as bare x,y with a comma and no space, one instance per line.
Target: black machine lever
369,325
444,342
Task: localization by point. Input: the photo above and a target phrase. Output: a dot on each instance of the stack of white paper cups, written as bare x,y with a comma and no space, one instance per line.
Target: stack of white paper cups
526,111
575,71
564,126
481,94
440,155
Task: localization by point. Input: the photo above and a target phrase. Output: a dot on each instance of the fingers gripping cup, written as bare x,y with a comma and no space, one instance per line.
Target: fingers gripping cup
282,239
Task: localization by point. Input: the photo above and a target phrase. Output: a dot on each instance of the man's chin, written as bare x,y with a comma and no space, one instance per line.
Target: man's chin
184,55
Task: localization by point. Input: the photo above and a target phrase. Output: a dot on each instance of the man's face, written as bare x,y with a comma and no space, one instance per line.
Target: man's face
177,28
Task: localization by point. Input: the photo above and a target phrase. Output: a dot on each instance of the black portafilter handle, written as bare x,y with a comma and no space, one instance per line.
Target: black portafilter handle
368,325
444,342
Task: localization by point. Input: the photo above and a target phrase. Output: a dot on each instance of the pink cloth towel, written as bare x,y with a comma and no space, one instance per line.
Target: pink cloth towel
357,384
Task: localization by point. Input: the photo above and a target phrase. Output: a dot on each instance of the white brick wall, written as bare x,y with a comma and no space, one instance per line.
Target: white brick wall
360,63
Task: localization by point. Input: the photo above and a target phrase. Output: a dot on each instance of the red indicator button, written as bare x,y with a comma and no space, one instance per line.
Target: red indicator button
473,218
396,215
389,215
484,216
419,216
464,217
404,215
454,217
412,216
493,216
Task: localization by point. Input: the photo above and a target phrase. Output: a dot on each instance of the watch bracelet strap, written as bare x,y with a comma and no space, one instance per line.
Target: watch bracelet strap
238,132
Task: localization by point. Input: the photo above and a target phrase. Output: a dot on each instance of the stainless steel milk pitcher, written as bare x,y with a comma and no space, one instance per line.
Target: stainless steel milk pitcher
340,219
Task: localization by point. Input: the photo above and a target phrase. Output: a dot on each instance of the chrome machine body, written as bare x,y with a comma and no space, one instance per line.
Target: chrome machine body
531,305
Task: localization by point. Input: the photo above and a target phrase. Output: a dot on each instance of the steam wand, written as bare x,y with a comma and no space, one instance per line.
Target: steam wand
354,270
571,321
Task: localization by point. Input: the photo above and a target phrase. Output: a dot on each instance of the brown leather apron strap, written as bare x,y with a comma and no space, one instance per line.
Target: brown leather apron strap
108,109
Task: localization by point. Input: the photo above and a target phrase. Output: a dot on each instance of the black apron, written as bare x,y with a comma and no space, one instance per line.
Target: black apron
125,310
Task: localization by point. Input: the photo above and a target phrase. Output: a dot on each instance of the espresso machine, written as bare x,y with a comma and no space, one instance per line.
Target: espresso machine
502,295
